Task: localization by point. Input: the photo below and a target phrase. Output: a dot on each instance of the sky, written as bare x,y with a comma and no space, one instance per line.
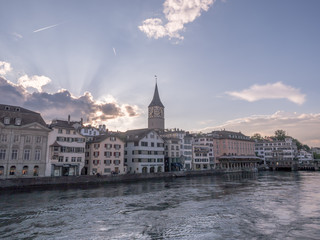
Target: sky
250,66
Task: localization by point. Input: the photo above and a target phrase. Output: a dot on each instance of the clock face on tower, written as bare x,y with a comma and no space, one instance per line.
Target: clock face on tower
156,111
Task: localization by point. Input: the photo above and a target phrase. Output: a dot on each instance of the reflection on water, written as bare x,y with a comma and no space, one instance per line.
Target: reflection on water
268,205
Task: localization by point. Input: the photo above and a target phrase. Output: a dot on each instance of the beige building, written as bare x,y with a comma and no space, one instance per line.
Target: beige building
105,155
23,143
66,149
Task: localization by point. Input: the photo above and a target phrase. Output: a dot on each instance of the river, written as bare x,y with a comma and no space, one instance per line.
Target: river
264,205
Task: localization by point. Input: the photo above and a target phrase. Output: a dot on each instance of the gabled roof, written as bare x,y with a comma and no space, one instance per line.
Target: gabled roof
137,134
101,138
26,116
156,99
64,124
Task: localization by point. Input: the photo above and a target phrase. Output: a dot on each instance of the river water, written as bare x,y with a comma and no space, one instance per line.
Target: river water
266,205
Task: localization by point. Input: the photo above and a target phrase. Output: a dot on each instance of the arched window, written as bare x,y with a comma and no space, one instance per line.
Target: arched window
159,169
1,170
12,170
144,170
25,170
36,171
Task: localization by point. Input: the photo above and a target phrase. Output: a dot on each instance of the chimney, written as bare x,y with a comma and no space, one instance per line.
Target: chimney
81,121
68,119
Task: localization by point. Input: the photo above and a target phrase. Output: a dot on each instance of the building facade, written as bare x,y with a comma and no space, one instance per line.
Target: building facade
23,143
105,155
66,149
144,151
277,154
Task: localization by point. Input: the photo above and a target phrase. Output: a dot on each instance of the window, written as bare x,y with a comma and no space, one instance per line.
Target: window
59,130
152,144
116,162
79,159
144,144
3,137
96,162
107,162
16,138
25,170
108,146
60,159
96,154
38,139
6,120
36,171
17,121
12,170
67,159
2,154
1,170
28,139
117,146
26,154
108,154
14,154
37,155
112,139
68,131
73,159
107,170
117,154
96,145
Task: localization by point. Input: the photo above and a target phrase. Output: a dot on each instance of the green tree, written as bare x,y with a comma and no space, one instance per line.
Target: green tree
280,134
256,136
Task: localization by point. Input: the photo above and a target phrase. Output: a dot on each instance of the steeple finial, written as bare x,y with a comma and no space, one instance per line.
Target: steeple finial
156,78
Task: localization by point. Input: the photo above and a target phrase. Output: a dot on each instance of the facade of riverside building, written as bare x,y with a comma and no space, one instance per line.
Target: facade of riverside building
277,153
23,143
144,151
105,155
66,149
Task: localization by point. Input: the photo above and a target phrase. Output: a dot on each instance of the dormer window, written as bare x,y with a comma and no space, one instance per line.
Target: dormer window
18,121
7,108
7,120
17,109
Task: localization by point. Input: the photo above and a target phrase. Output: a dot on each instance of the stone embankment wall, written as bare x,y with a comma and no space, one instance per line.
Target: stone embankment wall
25,183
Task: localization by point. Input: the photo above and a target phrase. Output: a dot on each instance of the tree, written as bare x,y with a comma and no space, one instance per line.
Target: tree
280,134
256,136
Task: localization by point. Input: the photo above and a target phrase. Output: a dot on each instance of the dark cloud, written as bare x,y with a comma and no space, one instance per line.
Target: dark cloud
60,104
131,111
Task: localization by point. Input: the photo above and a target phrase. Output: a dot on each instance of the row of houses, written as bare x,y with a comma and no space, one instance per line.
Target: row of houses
30,148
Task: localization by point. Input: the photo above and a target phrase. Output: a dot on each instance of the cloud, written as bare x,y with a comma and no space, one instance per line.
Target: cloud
178,13
305,126
270,91
35,81
45,28
62,103
114,51
5,67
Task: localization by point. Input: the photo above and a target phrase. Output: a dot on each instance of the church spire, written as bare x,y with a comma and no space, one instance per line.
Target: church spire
156,99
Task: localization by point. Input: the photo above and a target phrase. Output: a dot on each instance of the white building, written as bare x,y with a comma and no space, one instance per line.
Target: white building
305,157
186,141
66,149
201,157
277,153
144,151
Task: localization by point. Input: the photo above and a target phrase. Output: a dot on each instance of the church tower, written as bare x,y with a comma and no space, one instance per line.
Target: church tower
156,112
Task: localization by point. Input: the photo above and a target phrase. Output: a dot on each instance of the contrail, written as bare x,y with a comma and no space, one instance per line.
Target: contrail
45,28
114,51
